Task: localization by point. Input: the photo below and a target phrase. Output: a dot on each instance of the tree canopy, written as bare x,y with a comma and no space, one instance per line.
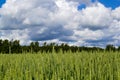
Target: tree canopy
14,46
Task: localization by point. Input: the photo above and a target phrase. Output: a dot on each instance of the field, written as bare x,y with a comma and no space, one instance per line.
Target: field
59,66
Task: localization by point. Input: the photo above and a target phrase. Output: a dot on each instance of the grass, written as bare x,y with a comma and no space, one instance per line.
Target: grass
58,66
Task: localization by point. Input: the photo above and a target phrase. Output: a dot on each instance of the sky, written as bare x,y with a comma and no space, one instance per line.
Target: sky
76,22
2,2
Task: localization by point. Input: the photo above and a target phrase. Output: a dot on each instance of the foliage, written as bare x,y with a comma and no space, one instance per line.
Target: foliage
14,46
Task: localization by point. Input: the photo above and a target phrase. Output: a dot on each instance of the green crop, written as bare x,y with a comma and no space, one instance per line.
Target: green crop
59,66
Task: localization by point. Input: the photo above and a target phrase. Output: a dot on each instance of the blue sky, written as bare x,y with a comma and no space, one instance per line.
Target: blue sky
2,2
111,3
76,22
107,3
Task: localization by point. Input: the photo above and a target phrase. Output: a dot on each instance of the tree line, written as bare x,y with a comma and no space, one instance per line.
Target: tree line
14,46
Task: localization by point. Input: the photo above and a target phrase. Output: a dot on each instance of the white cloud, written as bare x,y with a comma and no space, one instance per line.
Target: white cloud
116,13
59,21
21,35
87,2
87,34
96,17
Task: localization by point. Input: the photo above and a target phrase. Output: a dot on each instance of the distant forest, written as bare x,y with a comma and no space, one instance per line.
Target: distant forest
14,46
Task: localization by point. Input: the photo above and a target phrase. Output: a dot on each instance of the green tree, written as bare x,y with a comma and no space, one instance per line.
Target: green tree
110,48
5,46
16,48
31,47
1,45
36,46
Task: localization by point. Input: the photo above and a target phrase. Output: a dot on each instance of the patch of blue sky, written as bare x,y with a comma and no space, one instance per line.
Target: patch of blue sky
2,2
107,3
81,6
110,3
93,1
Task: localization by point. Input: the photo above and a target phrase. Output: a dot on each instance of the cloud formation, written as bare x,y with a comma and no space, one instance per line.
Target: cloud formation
60,21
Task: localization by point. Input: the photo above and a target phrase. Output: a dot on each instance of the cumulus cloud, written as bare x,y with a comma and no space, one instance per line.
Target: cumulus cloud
115,13
21,35
96,17
87,2
59,21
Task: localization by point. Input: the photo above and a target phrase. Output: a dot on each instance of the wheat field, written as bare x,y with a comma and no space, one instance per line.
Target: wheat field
59,66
